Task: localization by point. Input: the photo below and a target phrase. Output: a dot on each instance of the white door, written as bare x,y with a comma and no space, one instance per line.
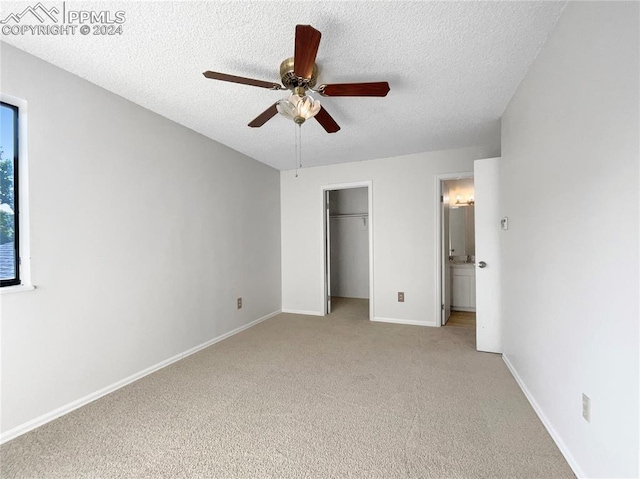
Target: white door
444,254
327,278
487,223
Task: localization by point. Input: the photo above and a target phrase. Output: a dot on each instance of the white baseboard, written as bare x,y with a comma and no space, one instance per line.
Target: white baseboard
577,470
300,311
411,322
67,408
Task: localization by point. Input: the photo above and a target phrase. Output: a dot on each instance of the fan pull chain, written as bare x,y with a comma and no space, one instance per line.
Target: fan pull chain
300,145
297,147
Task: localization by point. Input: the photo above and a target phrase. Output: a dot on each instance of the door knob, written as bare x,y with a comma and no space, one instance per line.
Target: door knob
482,264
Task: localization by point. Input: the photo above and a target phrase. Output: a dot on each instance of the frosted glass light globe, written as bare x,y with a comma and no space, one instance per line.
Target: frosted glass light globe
298,108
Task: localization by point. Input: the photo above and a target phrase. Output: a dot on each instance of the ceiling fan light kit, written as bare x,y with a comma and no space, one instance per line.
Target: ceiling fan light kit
299,107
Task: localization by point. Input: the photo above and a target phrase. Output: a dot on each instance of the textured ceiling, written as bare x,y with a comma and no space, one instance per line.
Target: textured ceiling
452,68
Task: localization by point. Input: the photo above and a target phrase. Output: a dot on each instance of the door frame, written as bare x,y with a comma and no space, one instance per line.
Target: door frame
439,256
345,186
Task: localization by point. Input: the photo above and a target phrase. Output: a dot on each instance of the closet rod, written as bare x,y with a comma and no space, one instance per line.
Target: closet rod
352,215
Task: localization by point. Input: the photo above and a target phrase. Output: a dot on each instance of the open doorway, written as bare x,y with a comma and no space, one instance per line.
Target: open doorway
347,241
457,285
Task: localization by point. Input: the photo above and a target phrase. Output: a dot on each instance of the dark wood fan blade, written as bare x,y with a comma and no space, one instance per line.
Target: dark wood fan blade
327,121
242,80
355,89
307,43
264,117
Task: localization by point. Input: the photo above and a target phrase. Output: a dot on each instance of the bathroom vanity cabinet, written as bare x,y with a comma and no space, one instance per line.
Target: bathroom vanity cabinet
463,287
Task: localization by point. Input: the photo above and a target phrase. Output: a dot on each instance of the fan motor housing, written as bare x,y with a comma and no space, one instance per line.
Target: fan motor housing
290,80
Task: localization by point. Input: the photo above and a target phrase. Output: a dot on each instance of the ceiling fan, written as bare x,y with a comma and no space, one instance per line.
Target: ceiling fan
299,74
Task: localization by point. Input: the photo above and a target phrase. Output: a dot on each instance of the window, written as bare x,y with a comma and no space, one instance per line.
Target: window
9,222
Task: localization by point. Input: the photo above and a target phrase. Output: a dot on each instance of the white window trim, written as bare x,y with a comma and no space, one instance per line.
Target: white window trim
23,198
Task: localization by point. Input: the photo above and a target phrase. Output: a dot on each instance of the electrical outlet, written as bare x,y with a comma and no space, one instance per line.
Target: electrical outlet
239,303
400,297
586,407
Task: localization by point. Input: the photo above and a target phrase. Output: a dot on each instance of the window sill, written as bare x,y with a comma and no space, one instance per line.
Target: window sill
19,288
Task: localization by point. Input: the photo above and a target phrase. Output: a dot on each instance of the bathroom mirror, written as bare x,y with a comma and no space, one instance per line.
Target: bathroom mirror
461,231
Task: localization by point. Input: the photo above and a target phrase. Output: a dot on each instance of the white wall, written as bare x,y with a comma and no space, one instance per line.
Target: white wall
570,258
349,243
143,235
403,222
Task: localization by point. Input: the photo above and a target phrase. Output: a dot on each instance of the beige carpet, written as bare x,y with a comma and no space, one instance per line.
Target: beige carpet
306,397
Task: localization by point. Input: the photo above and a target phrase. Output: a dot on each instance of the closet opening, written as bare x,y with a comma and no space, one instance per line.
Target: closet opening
347,251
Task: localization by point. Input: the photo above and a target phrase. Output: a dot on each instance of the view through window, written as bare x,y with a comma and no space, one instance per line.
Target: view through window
9,254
